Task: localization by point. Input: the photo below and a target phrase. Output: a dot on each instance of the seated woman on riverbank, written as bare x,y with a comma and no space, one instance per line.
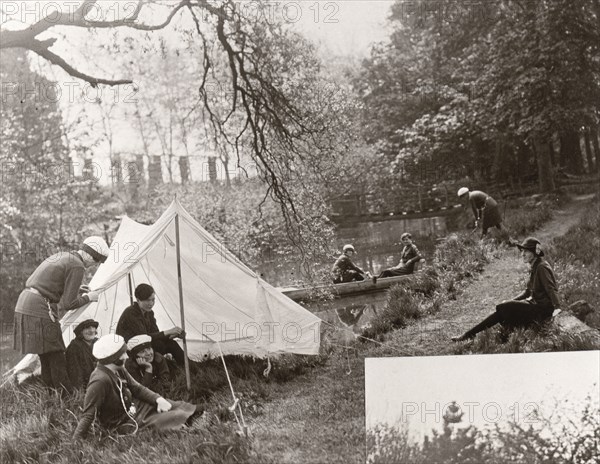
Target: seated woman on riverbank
120,403
409,256
146,366
344,270
536,303
80,360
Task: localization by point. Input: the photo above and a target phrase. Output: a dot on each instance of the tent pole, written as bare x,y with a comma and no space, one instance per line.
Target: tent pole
130,288
188,380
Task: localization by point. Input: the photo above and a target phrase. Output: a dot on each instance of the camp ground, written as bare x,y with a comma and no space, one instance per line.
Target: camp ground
260,196
222,305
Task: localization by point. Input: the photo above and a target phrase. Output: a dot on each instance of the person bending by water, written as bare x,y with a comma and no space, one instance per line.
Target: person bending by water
80,360
537,303
120,403
344,270
485,209
52,289
409,257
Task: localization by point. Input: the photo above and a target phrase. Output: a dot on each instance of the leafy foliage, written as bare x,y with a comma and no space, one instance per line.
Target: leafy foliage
480,89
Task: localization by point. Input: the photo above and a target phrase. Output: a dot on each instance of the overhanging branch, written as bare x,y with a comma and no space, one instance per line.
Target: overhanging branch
27,38
57,60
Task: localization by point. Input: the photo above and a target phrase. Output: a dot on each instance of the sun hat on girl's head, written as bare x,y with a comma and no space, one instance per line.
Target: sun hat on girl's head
96,247
138,343
462,191
84,325
109,348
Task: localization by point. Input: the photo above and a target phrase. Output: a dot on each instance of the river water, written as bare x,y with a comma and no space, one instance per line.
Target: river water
378,248
377,244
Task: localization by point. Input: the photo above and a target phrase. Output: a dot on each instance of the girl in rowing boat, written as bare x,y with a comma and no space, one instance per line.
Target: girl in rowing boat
344,270
410,255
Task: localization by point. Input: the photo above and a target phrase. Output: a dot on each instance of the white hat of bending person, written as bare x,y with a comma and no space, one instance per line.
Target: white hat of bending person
96,247
462,191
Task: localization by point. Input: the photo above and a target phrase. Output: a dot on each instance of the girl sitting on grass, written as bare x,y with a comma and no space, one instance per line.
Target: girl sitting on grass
537,303
123,405
80,360
145,365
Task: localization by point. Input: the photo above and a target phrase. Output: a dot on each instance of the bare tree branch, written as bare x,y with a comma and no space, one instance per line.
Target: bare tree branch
53,58
27,38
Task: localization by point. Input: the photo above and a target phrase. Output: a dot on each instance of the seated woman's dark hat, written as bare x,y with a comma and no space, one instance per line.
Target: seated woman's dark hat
84,325
532,244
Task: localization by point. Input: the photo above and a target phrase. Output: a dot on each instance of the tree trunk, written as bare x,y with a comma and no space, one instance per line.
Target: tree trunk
588,151
139,166
225,163
155,176
570,152
544,163
594,137
184,169
135,177
117,171
212,169
88,172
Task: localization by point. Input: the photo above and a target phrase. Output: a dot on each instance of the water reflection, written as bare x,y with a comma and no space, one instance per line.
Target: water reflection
349,316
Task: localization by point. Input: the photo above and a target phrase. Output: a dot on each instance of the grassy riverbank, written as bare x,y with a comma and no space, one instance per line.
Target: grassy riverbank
310,409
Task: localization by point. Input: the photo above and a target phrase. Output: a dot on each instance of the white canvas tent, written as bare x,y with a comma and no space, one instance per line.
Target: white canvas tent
224,301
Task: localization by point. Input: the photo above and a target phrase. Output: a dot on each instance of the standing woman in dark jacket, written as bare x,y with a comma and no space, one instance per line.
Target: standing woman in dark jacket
536,303
52,289
80,360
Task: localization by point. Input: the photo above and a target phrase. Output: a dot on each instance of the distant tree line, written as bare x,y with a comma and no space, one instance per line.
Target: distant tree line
499,90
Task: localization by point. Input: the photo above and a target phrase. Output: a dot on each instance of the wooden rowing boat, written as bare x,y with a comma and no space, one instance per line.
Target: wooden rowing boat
339,290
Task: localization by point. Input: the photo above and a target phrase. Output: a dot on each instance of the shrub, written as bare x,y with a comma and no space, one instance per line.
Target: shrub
456,259
576,259
402,305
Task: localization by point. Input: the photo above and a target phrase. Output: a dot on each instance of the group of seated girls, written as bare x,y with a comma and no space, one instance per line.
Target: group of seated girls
124,378
344,270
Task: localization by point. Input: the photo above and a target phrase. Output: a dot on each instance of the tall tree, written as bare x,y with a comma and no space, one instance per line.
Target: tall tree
507,75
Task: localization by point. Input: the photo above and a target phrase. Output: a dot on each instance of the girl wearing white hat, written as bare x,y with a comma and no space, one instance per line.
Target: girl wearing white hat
120,403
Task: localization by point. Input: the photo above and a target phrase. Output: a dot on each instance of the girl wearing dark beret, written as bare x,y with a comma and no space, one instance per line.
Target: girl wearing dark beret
536,303
80,360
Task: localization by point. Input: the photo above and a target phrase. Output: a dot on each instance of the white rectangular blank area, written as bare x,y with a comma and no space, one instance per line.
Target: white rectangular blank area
490,390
